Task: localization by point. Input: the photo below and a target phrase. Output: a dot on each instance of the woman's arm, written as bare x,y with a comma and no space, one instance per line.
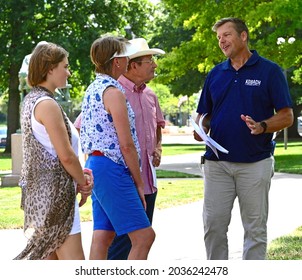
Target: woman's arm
115,104
48,113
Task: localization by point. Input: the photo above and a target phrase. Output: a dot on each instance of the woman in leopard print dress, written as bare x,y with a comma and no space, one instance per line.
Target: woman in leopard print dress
51,174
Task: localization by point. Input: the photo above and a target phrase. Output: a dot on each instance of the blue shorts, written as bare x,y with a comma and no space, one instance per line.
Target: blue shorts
116,205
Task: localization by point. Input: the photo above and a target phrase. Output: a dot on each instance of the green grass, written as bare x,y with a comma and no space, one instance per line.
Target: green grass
287,247
181,149
174,174
11,214
174,192
5,161
286,160
289,160
171,192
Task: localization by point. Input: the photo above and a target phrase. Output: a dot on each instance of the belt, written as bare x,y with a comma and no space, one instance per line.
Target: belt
97,153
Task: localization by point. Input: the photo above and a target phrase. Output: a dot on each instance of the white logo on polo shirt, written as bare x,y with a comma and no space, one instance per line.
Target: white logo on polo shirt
252,83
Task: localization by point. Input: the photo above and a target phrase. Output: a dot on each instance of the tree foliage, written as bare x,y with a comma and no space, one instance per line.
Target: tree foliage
275,32
181,28
168,102
71,24
267,21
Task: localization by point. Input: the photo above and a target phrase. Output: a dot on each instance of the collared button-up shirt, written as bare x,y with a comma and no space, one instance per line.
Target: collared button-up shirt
148,116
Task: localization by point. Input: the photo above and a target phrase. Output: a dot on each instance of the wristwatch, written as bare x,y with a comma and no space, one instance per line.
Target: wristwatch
264,126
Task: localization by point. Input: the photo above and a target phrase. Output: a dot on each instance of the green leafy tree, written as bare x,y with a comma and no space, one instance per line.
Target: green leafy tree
172,105
168,102
169,34
275,32
71,24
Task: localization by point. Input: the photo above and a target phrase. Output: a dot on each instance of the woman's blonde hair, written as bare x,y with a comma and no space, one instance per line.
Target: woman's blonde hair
102,51
44,58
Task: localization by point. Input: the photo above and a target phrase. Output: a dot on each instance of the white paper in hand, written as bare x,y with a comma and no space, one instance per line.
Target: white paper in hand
207,139
153,171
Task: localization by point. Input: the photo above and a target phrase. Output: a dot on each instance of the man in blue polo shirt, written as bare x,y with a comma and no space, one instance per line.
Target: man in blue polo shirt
246,99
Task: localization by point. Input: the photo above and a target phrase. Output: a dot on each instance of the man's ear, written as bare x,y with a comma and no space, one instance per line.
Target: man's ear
132,64
243,36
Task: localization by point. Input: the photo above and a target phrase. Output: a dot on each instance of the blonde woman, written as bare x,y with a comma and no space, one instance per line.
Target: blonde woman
109,137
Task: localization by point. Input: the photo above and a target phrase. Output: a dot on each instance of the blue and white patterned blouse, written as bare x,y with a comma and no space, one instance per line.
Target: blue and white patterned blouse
98,132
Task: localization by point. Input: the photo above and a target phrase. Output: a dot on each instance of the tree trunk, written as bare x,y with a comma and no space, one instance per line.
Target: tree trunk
13,112
293,130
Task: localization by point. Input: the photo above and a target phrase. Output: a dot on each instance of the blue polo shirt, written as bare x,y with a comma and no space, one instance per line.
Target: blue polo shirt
257,89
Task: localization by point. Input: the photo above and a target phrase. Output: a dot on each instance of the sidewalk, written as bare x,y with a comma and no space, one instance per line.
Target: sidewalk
179,230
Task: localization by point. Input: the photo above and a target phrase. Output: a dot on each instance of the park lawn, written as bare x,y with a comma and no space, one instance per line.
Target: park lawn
11,214
171,192
181,149
5,161
286,160
287,247
160,174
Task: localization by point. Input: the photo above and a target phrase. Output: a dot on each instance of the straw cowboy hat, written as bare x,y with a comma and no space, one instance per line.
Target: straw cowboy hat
129,50
142,48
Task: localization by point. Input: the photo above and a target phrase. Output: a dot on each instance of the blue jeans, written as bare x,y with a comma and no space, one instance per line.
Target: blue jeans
121,245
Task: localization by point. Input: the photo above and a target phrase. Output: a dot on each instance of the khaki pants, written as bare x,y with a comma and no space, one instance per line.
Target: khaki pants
250,182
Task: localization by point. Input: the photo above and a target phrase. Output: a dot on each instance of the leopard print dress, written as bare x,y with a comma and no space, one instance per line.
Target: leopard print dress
48,193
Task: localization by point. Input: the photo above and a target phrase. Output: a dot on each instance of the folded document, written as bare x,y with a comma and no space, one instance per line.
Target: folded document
207,139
